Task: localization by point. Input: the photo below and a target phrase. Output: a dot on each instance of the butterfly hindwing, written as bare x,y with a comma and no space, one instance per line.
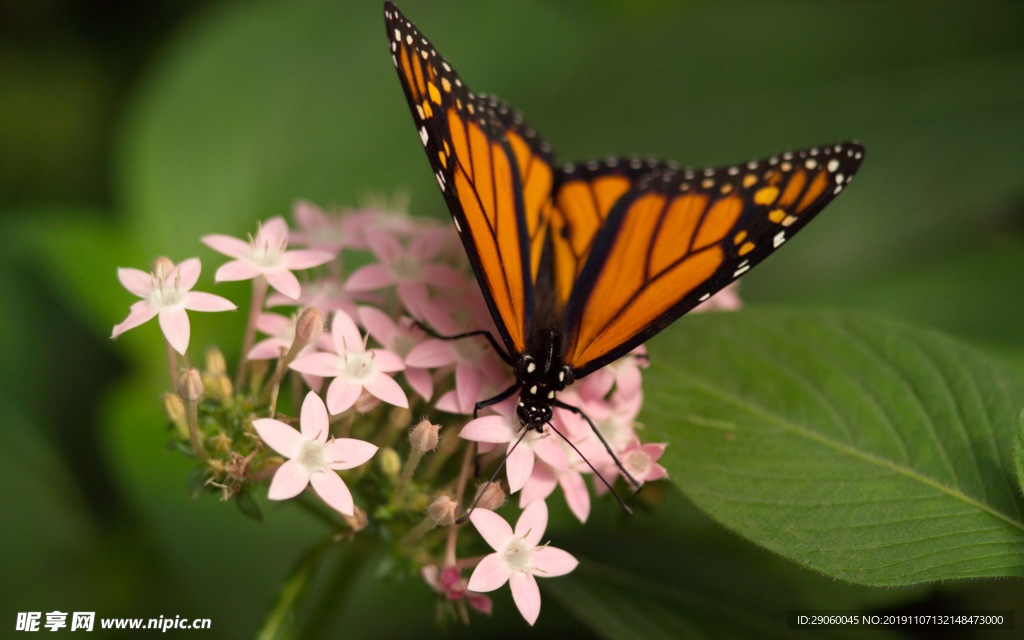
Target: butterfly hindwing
679,236
493,169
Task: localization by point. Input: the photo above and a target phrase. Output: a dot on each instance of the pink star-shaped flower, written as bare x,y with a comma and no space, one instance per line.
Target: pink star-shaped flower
518,557
411,268
282,332
266,255
399,338
353,368
545,478
506,427
167,293
318,230
312,459
640,460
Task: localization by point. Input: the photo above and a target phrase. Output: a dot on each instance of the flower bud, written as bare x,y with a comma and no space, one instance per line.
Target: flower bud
424,436
443,510
215,361
190,385
399,417
492,498
309,326
175,409
389,462
221,442
358,520
162,267
218,386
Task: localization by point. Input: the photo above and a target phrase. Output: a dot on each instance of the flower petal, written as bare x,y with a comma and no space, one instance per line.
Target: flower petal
467,382
279,436
540,485
273,232
349,452
200,301
576,494
333,490
342,394
420,381
387,361
306,259
490,574
379,325
526,594
430,354
189,271
551,562
236,270
370,277
384,387
532,522
174,323
325,364
289,481
141,312
346,335
138,282
413,295
285,282
550,451
487,429
231,247
481,603
492,527
313,418
518,466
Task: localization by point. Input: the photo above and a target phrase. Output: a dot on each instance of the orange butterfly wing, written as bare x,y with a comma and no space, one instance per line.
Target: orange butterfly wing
679,236
494,171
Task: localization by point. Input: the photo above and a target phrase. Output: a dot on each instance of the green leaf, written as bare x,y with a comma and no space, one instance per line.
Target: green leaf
619,605
865,449
1018,450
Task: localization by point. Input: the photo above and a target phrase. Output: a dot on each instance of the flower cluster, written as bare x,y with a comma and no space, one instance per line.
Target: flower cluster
362,353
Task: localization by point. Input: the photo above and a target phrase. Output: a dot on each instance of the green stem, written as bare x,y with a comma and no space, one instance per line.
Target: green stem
345,576
282,613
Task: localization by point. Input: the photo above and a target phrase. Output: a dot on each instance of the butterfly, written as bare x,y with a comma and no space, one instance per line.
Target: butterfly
581,263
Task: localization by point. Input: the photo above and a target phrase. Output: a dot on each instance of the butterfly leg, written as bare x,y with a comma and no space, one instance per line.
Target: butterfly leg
495,400
469,334
576,410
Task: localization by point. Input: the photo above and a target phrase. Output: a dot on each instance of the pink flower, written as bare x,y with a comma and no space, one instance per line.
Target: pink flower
326,294
623,374
167,292
311,458
545,478
353,368
400,339
518,557
318,230
410,268
265,255
640,460
507,428
282,332
449,581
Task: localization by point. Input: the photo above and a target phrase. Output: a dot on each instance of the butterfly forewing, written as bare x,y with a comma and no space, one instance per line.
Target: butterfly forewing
492,167
679,236
584,195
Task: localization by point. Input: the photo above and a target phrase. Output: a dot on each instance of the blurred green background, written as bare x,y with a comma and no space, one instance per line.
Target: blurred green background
128,130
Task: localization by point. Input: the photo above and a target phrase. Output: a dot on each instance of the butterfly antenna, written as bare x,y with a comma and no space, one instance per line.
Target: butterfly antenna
596,472
577,411
493,476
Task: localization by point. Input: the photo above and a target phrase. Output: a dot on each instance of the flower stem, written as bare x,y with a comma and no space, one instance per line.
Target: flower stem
453,530
172,364
345,576
193,429
283,611
259,294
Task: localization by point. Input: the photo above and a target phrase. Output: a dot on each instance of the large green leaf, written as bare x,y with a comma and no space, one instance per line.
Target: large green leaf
865,449
1018,451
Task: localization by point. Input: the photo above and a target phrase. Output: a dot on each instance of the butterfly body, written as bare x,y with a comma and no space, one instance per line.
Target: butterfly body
581,263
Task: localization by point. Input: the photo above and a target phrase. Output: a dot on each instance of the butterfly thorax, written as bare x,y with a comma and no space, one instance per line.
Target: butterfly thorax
541,373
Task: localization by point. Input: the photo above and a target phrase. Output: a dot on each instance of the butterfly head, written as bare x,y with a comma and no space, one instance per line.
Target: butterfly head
540,382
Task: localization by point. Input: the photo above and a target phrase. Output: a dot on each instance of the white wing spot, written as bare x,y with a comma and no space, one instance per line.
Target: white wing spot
568,167
814,151
838,189
592,165
788,155
773,161
786,166
709,172
733,170
446,67
458,83
530,368
704,297
551,395
635,163
611,161
456,221
424,136
779,238
408,39
858,155
833,164
811,163
837,148
741,271
533,390
398,34
395,60
839,178
424,54
752,165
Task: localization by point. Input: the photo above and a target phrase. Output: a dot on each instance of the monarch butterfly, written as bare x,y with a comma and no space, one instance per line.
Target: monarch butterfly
580,264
